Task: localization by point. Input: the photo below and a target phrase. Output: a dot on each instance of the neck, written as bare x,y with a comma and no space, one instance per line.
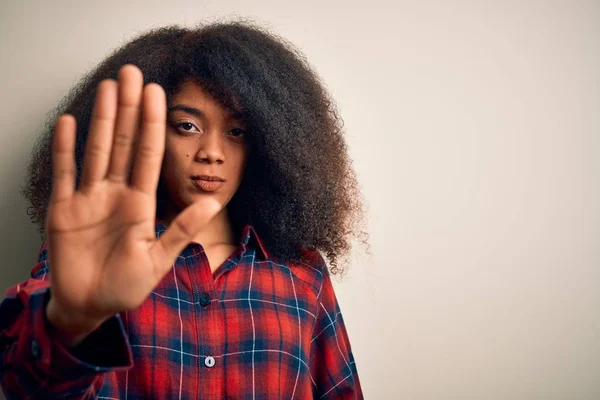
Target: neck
218,231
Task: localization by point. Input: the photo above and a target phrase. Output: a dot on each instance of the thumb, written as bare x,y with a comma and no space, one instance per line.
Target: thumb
181,231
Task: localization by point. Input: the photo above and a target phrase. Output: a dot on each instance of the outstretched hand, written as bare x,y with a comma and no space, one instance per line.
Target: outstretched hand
103,253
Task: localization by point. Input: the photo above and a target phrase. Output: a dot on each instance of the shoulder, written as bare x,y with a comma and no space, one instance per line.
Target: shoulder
42,266
310,270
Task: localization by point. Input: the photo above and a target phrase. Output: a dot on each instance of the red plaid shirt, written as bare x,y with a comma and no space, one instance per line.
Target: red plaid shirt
256,329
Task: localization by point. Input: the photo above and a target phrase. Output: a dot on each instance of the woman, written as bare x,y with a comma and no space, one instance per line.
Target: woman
184,228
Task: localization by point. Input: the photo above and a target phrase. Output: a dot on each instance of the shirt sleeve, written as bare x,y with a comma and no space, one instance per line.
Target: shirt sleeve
332,364
34,363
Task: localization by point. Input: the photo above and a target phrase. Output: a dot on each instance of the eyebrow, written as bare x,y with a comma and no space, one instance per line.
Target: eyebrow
194,111
186,109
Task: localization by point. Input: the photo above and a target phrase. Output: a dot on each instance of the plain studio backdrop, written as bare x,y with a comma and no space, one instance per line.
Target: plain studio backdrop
475,132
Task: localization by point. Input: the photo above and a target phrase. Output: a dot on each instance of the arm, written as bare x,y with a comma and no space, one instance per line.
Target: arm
35,359
332,363
101,238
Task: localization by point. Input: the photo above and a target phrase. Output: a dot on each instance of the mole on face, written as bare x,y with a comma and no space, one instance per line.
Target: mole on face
187,155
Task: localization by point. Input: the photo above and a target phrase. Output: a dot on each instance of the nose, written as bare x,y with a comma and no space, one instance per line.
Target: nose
210,148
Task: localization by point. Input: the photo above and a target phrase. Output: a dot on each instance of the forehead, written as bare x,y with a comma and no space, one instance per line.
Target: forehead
192,94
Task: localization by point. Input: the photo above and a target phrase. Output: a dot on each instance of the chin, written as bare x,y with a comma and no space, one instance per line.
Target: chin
199,196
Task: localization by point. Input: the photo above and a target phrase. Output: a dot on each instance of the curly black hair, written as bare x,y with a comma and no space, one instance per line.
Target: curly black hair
299,189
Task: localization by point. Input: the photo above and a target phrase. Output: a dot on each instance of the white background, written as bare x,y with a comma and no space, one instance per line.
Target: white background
475,130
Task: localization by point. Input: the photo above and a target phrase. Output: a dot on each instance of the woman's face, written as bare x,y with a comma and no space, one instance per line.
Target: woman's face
205,151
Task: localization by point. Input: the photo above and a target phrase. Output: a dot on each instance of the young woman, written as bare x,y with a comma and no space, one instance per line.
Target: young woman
186,190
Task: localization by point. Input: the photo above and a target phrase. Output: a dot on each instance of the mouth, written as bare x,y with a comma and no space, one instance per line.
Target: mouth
208,183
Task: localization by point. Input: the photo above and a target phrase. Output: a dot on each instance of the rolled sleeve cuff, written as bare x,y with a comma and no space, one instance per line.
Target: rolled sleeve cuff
105,349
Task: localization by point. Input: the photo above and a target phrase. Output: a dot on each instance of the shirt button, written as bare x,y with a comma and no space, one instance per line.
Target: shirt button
204,299
209,362
35,349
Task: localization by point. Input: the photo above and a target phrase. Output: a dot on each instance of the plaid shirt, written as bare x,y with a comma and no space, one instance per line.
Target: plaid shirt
256,329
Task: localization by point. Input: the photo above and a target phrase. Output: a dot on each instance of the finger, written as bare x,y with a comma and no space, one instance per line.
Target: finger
131,82
63,158
151,143
100,134
181,231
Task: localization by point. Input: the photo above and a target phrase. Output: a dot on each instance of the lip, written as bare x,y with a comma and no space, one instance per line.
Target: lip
208,183
207,178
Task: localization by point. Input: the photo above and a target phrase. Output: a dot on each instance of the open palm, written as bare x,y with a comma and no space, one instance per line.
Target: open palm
103,253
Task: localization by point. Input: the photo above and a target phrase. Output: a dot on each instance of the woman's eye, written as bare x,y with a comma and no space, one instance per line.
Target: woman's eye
237,132
185,126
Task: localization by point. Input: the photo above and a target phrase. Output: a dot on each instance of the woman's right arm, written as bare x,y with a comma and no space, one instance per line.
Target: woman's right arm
38,360
101,245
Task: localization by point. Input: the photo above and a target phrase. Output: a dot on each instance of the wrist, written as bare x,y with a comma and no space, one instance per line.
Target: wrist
68,327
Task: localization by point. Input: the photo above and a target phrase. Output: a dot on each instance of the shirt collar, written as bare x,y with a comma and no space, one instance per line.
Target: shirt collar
248,238
249,235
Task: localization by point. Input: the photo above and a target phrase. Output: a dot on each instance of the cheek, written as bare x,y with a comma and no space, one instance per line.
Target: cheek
242,156
174,163
177,153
